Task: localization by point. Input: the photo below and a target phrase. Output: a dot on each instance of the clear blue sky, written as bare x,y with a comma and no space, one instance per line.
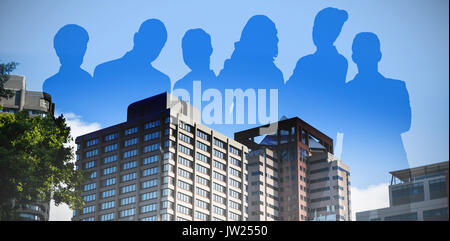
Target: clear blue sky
413,33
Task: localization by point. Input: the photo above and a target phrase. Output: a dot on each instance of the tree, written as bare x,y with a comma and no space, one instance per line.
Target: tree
36,163
5,70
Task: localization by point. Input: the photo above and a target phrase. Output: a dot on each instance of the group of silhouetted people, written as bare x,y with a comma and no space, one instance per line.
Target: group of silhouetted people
371,110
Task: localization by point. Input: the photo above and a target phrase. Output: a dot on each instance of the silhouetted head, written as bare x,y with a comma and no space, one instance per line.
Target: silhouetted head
150,39
259,37
197,49
70,43
366,49
327,26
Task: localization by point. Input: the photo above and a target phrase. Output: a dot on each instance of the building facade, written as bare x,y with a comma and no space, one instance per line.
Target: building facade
36,103
162,165
293,174
415,194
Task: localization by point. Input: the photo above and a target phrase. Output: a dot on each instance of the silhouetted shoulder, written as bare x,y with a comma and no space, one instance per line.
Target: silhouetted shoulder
108,67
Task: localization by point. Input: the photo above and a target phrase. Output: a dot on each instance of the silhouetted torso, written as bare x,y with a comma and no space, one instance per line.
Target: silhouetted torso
123,81
70,91
316,85
377,113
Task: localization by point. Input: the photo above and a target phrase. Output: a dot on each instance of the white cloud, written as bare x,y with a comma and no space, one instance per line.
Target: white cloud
77,128
372,197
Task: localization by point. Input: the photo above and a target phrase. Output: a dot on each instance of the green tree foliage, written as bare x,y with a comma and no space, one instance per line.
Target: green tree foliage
5,70
36,163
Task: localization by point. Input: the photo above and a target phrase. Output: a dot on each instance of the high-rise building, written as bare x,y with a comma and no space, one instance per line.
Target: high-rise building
36,103
162,164
293,174
415,194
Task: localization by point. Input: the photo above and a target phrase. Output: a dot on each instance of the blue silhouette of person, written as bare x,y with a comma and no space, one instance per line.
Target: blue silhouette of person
132,77
318,79
70,84
252,63
197,50
377,112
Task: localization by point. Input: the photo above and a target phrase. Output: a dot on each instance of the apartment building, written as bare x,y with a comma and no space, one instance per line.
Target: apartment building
415,194
36,103
293,175
162,165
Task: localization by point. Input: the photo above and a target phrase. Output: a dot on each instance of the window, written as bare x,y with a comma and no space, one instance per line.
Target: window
152,147
202,192
219,143
184,210
110,159
184,173
234,205
149,208
185,138
219,187
152,124
202,135
235,172
150,171
234,194
234,161
234,216
438,188
108,205
131,131
92,142
184,185
128,212
151,218
218,199
89,209
89,165
201,180
234,183
183,197
111,147
109,170
218,210
202,158
112,136
219,165
202,146
90,186
235,151
201,216
129,188
109,193
149,196
201,169
107,217
129,177
89,198
219,154
201,204
185,150
219,176
131,142
129,165
92,153
150,183
185,126
150,159
109,182
184,161
130,153
151,136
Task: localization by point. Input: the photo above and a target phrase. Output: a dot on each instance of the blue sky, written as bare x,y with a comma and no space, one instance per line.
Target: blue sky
413,33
